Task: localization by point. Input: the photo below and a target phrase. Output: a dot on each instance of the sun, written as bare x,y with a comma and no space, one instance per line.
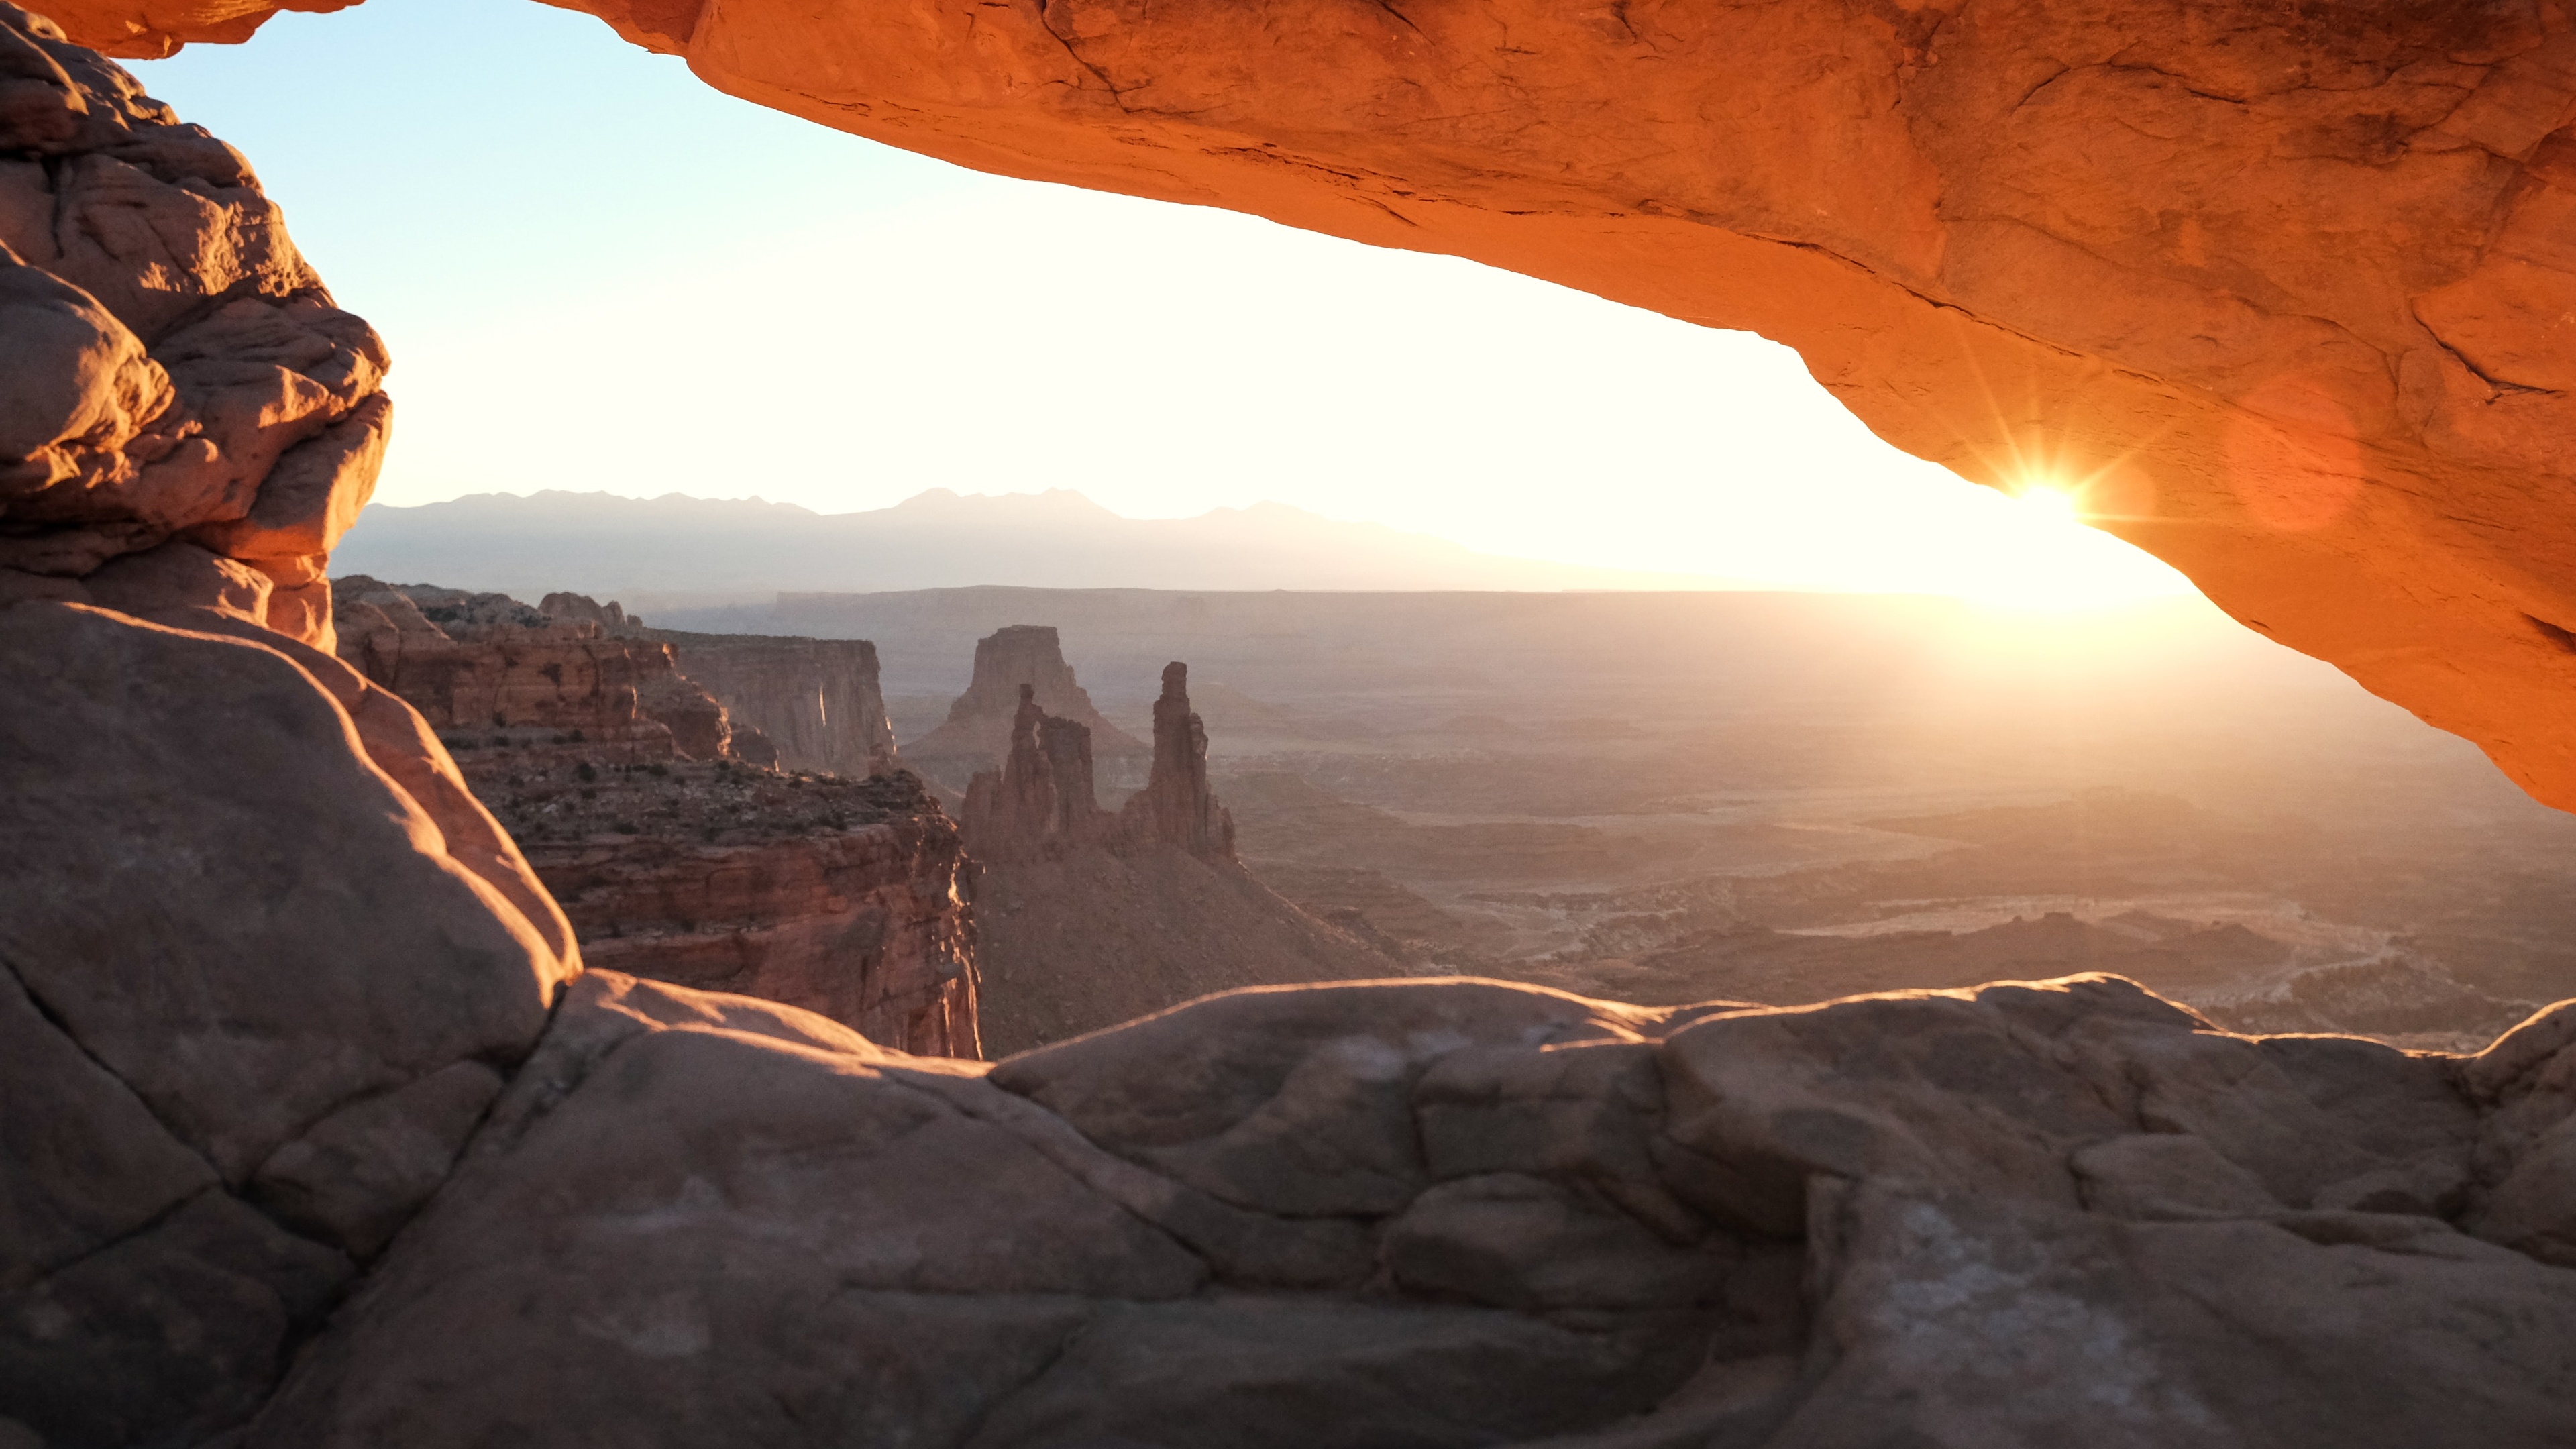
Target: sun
2040,553
2050,505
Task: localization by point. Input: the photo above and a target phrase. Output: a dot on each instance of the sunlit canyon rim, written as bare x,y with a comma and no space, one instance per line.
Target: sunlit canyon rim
320,1133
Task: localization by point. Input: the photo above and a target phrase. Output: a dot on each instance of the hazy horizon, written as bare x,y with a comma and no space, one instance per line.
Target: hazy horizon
708,550
735,302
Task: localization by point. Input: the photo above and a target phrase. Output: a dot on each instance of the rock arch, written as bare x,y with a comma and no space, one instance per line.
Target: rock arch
2286,286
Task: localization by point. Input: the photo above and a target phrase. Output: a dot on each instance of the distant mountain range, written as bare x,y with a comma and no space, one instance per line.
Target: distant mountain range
680,550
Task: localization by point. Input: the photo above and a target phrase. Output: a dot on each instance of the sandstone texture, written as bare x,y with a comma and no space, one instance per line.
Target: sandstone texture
1463,1213
187,423
2283,287
978,731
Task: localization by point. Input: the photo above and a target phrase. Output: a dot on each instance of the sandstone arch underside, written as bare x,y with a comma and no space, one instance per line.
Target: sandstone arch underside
2288,287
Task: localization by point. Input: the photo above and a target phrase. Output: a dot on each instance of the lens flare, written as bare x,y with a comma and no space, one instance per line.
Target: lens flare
2050,505
2047,558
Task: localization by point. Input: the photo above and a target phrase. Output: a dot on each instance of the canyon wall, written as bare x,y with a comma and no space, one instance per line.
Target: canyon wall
2282,289
842,897
817,701
807,704
472,662
655,819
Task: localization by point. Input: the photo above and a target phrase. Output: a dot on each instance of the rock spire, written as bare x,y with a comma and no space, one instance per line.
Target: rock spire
1041,801
1176,807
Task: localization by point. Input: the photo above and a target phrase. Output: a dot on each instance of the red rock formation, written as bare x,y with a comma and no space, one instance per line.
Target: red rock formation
582,608
1041,801
840,897
2283,285
977,733
1176,807
178,396
1086,918
475,661
1423,1214
308,1125
807,704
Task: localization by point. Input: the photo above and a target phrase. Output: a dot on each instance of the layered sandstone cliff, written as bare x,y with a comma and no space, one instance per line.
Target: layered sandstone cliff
843,897
807,704
470,662
2283,288
817,701
678,851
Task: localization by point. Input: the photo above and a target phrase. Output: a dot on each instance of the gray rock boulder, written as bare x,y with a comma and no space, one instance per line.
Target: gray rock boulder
2031,1214
252,1009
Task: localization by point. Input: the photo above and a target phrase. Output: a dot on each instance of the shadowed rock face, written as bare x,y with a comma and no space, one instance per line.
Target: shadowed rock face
2284,285
806,704
266,965
1176,807
1042,801
843,897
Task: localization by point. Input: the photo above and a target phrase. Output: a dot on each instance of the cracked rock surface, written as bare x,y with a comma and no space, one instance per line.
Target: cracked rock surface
312,1142
252,1012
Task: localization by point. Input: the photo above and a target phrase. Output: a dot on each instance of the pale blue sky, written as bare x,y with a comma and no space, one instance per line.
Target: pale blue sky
596,273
